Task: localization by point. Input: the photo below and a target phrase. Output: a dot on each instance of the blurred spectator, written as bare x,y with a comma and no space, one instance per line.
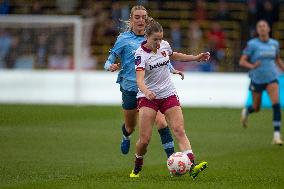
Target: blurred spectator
175,35
268,10
142,2
88,8
66,6
125,11
195,38
98,8
59,59
41,51
110,31
252,16
4,7
222,11
124,15
116,14
89,62
99,28
37,8
13,53
27,40
216,42
5,45
200,10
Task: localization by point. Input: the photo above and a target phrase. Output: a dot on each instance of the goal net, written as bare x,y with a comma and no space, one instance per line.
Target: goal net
45,42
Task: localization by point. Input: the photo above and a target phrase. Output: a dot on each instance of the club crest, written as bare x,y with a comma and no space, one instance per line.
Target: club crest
137,60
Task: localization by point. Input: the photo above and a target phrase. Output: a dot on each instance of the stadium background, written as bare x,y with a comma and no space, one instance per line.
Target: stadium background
44,144
220,27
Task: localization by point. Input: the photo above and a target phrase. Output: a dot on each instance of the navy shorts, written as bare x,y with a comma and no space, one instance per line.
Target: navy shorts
129,100
259,88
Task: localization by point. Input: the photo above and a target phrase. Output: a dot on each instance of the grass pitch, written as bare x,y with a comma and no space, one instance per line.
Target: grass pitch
78,147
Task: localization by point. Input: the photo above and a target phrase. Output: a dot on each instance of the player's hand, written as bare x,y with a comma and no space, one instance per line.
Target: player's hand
114,67
203,56
150,95
256,64
179,73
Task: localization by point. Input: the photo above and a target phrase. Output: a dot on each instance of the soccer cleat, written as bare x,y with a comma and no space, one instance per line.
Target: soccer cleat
125,145
133,175
197,169
244,118
277,141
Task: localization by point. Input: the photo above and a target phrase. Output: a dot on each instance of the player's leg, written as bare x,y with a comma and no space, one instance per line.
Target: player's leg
127,129
256,95
129,105
176,122
146,120
175,117
165,134
273,92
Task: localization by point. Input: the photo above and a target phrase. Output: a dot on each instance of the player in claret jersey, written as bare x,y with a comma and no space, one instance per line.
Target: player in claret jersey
124,49
157,93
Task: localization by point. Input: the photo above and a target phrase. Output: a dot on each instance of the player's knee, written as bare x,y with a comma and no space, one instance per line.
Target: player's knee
130,128
257,109
160,122
144,141
179,132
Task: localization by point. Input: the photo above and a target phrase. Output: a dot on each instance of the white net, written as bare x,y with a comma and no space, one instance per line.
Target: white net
45,42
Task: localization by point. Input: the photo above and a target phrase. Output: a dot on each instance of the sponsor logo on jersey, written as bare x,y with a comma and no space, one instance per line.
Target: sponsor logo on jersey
159,65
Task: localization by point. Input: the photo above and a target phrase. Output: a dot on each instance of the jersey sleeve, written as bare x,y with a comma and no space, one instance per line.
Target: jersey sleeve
110,60
139,61
118,46
277,48
248,50
168,48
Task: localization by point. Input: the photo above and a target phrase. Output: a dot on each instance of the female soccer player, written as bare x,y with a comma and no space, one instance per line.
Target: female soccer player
124,48
157,93
261,56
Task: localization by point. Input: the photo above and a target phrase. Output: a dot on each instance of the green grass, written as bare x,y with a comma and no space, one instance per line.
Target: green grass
78,147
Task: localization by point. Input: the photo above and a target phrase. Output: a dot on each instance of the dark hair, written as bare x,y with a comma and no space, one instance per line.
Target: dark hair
152,27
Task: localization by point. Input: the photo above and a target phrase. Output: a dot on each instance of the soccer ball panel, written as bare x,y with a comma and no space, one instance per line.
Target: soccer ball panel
178,164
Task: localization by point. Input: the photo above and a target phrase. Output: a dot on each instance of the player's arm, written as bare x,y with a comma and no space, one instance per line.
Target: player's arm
114,53
186,58
140,74
246,64
174,71
110,64
279,62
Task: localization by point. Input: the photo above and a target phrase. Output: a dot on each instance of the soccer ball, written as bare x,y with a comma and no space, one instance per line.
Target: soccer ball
178,164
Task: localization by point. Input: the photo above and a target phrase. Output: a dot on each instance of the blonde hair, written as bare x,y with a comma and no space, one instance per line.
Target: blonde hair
134,8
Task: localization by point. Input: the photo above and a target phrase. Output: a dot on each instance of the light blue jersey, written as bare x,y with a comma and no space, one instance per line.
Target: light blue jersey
265,53
124,49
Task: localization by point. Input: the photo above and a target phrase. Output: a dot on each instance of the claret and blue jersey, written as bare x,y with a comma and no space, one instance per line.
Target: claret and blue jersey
266,53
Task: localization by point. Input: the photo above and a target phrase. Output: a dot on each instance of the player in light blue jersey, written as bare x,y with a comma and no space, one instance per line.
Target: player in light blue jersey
261,56
124,49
